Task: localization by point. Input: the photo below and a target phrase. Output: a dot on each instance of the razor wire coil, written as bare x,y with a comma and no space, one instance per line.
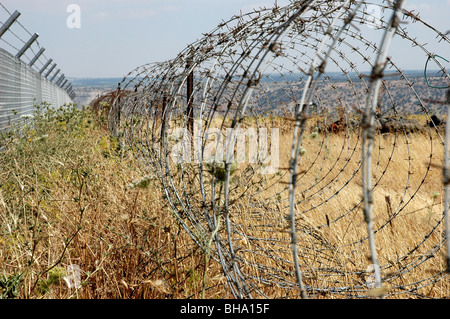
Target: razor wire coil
265,70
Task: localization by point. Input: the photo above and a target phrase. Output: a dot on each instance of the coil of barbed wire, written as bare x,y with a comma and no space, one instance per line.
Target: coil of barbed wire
297,180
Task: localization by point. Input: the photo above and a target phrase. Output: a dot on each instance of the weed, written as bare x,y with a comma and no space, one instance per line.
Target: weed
9,285
55,277
65,200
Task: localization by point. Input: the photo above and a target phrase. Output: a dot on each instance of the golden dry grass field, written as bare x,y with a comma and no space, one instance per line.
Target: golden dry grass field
66,198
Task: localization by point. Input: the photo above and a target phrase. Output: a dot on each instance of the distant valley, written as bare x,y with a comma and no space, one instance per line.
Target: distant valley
274,93
87,89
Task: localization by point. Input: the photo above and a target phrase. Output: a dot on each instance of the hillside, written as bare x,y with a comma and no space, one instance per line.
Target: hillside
276,93
87,89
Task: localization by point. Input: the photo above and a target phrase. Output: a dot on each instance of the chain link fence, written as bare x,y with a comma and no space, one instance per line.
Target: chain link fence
27,76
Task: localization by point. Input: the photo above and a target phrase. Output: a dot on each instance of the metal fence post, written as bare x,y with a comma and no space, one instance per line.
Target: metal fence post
61,78
9,22
190,97
36,57
54,75
27,45
45,66
446,182
50,71
64,83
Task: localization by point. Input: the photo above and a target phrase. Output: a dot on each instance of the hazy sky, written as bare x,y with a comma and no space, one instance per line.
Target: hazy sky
117,35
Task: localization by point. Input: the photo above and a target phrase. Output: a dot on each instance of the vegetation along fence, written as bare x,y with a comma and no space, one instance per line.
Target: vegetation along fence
27,76
298,153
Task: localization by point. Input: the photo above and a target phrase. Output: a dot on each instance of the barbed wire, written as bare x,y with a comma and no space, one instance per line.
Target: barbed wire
297,230
17,36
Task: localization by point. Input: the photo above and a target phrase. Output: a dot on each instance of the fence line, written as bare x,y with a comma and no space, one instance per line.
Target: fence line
27,76
276,230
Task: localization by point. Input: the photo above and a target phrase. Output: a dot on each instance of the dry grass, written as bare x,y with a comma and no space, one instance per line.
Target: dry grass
66,199
330,226
330,221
